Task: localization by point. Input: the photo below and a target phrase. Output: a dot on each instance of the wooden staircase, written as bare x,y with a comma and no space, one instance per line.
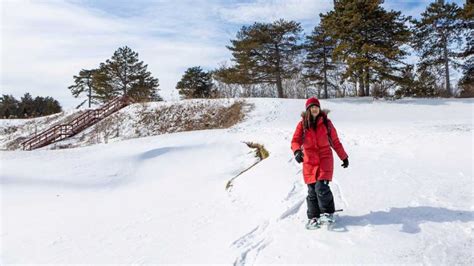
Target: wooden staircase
78,124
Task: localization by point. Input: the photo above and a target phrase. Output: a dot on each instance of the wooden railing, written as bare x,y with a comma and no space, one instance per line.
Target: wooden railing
78,124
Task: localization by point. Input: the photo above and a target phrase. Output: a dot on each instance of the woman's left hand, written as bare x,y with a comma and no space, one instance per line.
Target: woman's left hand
345,163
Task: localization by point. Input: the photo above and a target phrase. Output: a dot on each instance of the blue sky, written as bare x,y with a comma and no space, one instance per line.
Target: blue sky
45,43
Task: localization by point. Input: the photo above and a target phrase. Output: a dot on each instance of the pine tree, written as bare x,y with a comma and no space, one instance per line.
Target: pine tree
466,16
369,40
124,74
319,47
466,83
51,106
436,32
9,106
407,86
195,83
39,109
266,53
229,75
45,106
102,85
83,83
27,105
426,84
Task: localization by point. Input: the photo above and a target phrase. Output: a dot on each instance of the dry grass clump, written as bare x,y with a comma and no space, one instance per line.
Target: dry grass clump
260,152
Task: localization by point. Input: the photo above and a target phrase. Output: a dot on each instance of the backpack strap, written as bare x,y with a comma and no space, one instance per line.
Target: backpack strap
328,129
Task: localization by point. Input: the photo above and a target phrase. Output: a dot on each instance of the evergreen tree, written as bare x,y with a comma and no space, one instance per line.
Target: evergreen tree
39,106
83,83
52,106
195,83
319,46
27,105
46,106
436,32
369,40
102,85
265,53
126,75
466,16
466,83
423,83
229,75
407,86
9,106
426,84
123,74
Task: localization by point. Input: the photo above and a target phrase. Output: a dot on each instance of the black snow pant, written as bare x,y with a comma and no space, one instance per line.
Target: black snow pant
319,199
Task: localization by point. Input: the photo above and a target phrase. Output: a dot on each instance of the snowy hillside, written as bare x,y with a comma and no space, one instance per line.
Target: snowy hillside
15,131
407,194
133,121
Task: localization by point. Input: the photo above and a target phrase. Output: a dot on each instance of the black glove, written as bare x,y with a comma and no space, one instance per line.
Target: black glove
345,163
299,156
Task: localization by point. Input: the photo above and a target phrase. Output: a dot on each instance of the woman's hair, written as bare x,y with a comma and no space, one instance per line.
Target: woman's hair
308,120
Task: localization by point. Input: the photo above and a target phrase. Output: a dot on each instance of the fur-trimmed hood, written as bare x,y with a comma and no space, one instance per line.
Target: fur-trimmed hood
323,111
308,122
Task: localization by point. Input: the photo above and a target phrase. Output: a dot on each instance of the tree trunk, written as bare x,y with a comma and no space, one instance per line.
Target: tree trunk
361,84
90,90
90,96
354,88
367,81
446,66
125,81
279,85
278,73
325,76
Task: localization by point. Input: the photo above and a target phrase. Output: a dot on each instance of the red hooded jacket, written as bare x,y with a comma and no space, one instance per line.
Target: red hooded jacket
318,163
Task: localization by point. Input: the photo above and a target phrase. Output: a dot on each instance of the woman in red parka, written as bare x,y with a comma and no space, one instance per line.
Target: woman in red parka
312,141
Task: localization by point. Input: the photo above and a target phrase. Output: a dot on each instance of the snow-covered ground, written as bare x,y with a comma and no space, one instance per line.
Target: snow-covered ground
407,194
133,121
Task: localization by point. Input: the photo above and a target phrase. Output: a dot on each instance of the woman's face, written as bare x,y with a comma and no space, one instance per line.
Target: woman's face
314,110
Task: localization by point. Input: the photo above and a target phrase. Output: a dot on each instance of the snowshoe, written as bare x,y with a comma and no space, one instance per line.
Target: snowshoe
327,220
312,224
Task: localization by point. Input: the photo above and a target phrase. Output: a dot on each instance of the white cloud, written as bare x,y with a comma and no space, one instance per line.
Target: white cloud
409,7
269,11
45,43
